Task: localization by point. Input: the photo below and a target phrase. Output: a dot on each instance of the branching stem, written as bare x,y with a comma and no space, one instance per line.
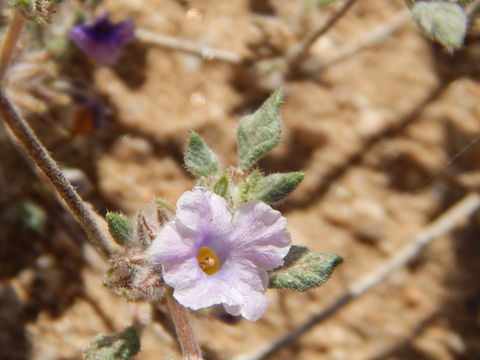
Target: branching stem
300,50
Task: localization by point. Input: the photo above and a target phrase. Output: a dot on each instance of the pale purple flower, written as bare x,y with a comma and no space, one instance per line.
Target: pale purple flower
211,256
101,39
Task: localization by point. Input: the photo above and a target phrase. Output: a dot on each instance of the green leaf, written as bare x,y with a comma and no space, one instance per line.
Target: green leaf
120,227
303,269
199,159
443,22
221,186
120,346
275,187
260,132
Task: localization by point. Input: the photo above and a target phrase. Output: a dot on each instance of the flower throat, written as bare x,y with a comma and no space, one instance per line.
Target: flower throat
208,261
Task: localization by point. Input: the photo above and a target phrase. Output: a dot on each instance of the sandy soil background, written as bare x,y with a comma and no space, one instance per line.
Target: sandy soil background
374,133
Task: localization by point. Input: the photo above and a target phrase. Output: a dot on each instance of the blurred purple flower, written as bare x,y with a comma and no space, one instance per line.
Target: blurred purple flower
102,40
210,256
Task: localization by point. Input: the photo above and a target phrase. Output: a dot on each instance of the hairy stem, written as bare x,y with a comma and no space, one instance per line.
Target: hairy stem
11,38
183,326
37,152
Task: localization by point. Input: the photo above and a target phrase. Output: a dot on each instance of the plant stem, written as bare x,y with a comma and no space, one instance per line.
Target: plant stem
300,50
11,38
189,47
371,37
37,152
183,326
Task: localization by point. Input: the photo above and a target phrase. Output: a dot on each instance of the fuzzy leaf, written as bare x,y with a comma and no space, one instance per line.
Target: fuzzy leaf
275,187
199,159
442,21
120,227
303,269
120,346
221,186
260,132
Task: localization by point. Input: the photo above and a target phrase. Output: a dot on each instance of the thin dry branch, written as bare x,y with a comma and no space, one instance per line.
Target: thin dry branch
473,10
300,50
189,47
419,327
368,39
37,152
10,42
445,223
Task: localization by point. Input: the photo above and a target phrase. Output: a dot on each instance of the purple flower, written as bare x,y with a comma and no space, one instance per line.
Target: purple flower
101,39
210,256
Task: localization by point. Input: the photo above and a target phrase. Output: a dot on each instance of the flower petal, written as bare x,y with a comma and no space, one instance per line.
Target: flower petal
260,235
253,306
101,39
203,291
244,274
182,273
173,244
199,209
251,283
124,32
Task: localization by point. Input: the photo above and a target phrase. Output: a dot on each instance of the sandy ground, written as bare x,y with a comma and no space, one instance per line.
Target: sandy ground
374,133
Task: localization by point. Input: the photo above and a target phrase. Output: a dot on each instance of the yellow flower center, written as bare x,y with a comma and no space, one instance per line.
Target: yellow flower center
208,261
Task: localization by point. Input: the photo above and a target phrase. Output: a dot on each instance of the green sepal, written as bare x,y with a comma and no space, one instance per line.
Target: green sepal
164,204
275,187
199,159
120,346
221,186
303,269
260,132
120,227
444,22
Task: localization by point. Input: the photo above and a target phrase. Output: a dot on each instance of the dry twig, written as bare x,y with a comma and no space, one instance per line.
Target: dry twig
9,44
37,152
446,222
300,50
190,47
367,39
